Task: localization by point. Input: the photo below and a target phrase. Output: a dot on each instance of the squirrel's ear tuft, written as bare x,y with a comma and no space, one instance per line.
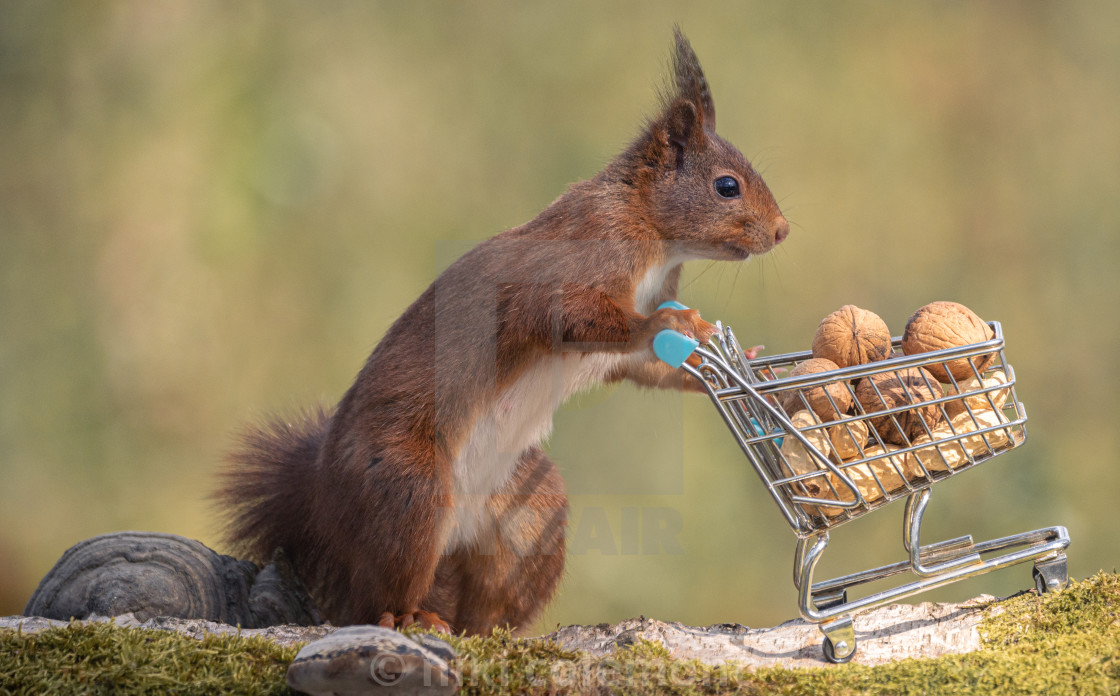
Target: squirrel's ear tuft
686,119
689,82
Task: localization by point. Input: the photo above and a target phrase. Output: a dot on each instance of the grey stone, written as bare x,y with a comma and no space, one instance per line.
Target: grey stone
372,659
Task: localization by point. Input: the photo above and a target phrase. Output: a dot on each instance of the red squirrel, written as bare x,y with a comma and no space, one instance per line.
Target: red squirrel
425,496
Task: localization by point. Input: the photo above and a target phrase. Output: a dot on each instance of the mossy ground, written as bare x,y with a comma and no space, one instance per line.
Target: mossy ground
1063,643
102,658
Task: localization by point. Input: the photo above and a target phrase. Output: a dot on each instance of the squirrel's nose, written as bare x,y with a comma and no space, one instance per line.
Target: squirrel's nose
781,228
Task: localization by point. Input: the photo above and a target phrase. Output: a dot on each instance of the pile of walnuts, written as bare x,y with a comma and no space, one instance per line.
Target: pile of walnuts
852,336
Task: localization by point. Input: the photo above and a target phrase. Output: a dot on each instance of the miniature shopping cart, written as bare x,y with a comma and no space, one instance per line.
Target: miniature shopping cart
896,448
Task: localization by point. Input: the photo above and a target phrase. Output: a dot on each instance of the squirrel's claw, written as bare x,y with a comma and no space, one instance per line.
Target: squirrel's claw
426,619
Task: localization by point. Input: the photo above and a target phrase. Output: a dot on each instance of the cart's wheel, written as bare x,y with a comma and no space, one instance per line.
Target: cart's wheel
830,653
1050,577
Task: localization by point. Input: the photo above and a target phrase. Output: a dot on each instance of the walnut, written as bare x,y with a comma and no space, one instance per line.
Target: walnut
912,385
873,479
889,474
848,438
941,325
979,401
958,453
828,401
852,336
981,445
796,458
935,455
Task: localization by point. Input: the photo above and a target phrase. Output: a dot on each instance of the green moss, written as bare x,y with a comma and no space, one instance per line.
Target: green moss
1061,643
102,658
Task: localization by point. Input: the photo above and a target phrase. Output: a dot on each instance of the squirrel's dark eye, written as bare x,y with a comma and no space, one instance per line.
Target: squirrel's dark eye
727,187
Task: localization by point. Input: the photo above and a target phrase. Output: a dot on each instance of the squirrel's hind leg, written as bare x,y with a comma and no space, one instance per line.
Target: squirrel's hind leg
508,576
379,540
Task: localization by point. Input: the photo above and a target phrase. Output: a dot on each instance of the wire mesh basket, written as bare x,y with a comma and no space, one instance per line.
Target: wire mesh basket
833,446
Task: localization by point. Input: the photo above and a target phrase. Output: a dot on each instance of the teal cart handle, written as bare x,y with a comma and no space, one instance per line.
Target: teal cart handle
672,347
671,304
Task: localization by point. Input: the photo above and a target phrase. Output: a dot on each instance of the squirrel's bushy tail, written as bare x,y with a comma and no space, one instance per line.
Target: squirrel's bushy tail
267,487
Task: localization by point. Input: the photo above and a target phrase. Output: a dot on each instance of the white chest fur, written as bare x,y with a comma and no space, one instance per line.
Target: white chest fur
520,418
651,286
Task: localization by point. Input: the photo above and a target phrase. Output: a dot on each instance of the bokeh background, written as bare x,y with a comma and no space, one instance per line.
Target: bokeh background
210,211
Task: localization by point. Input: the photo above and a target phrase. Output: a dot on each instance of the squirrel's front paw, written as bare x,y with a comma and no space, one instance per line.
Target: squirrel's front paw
685,321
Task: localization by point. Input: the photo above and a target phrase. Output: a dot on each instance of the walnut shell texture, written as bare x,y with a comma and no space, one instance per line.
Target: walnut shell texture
848,439
795,457
941,325
817,398
852,336
912,385
874,480
990,395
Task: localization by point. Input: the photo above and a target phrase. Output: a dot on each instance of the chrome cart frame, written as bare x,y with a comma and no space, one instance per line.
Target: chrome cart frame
974,419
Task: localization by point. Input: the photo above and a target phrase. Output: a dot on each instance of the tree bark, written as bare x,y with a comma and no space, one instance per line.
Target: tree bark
885,634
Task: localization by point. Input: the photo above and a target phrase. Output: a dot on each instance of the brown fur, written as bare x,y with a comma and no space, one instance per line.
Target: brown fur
364,500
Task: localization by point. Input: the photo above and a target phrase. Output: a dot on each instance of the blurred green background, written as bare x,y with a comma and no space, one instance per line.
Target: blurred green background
210,211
